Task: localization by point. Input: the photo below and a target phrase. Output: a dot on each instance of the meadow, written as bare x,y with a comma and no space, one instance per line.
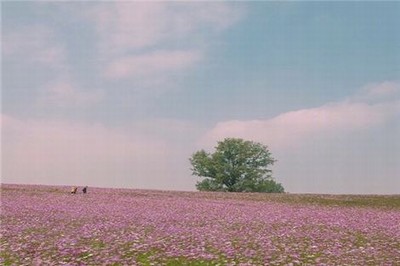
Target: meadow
45,225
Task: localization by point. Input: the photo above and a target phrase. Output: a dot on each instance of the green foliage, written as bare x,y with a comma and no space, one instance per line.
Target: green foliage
209,185
236,165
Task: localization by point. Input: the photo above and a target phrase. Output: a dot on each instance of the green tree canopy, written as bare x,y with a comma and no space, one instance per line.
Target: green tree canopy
236,165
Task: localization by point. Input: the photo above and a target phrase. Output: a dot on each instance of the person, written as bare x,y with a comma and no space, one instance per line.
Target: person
84,190
73,190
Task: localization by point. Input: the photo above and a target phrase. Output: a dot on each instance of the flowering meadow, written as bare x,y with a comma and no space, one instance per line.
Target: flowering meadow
46,225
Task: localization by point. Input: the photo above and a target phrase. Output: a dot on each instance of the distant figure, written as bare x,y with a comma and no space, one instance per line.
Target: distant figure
84,190
74,190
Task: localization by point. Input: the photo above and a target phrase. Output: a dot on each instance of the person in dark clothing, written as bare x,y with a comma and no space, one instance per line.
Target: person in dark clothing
84,190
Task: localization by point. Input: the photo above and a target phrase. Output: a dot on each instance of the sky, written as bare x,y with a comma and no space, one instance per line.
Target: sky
121,94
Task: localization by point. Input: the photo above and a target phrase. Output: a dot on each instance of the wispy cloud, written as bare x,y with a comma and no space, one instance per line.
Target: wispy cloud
155,63
148,39
127,26
33,45
375,93
151,45
291,128
37,48
64,93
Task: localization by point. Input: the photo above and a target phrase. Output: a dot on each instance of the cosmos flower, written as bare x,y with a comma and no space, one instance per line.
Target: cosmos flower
42,225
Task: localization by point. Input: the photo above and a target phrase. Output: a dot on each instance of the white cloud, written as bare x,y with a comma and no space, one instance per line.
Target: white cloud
375,93
63,152
291,128
342,147
351,146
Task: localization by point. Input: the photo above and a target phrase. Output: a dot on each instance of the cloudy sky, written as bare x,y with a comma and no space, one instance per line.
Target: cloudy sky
120,94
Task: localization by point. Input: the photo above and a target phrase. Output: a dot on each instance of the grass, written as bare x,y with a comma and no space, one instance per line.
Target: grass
369,201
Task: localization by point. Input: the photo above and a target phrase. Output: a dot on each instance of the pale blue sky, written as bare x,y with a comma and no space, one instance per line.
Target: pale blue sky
121,93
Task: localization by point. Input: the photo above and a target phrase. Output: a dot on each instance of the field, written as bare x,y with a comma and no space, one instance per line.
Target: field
45,225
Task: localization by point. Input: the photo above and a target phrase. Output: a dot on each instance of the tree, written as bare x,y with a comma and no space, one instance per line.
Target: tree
236,165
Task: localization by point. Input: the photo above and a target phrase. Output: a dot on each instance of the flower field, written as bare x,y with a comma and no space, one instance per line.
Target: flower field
45,225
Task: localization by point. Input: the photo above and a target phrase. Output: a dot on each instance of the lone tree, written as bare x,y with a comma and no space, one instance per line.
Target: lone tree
236,165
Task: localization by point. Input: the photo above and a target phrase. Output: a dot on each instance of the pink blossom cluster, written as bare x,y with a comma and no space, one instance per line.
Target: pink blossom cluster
42,225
